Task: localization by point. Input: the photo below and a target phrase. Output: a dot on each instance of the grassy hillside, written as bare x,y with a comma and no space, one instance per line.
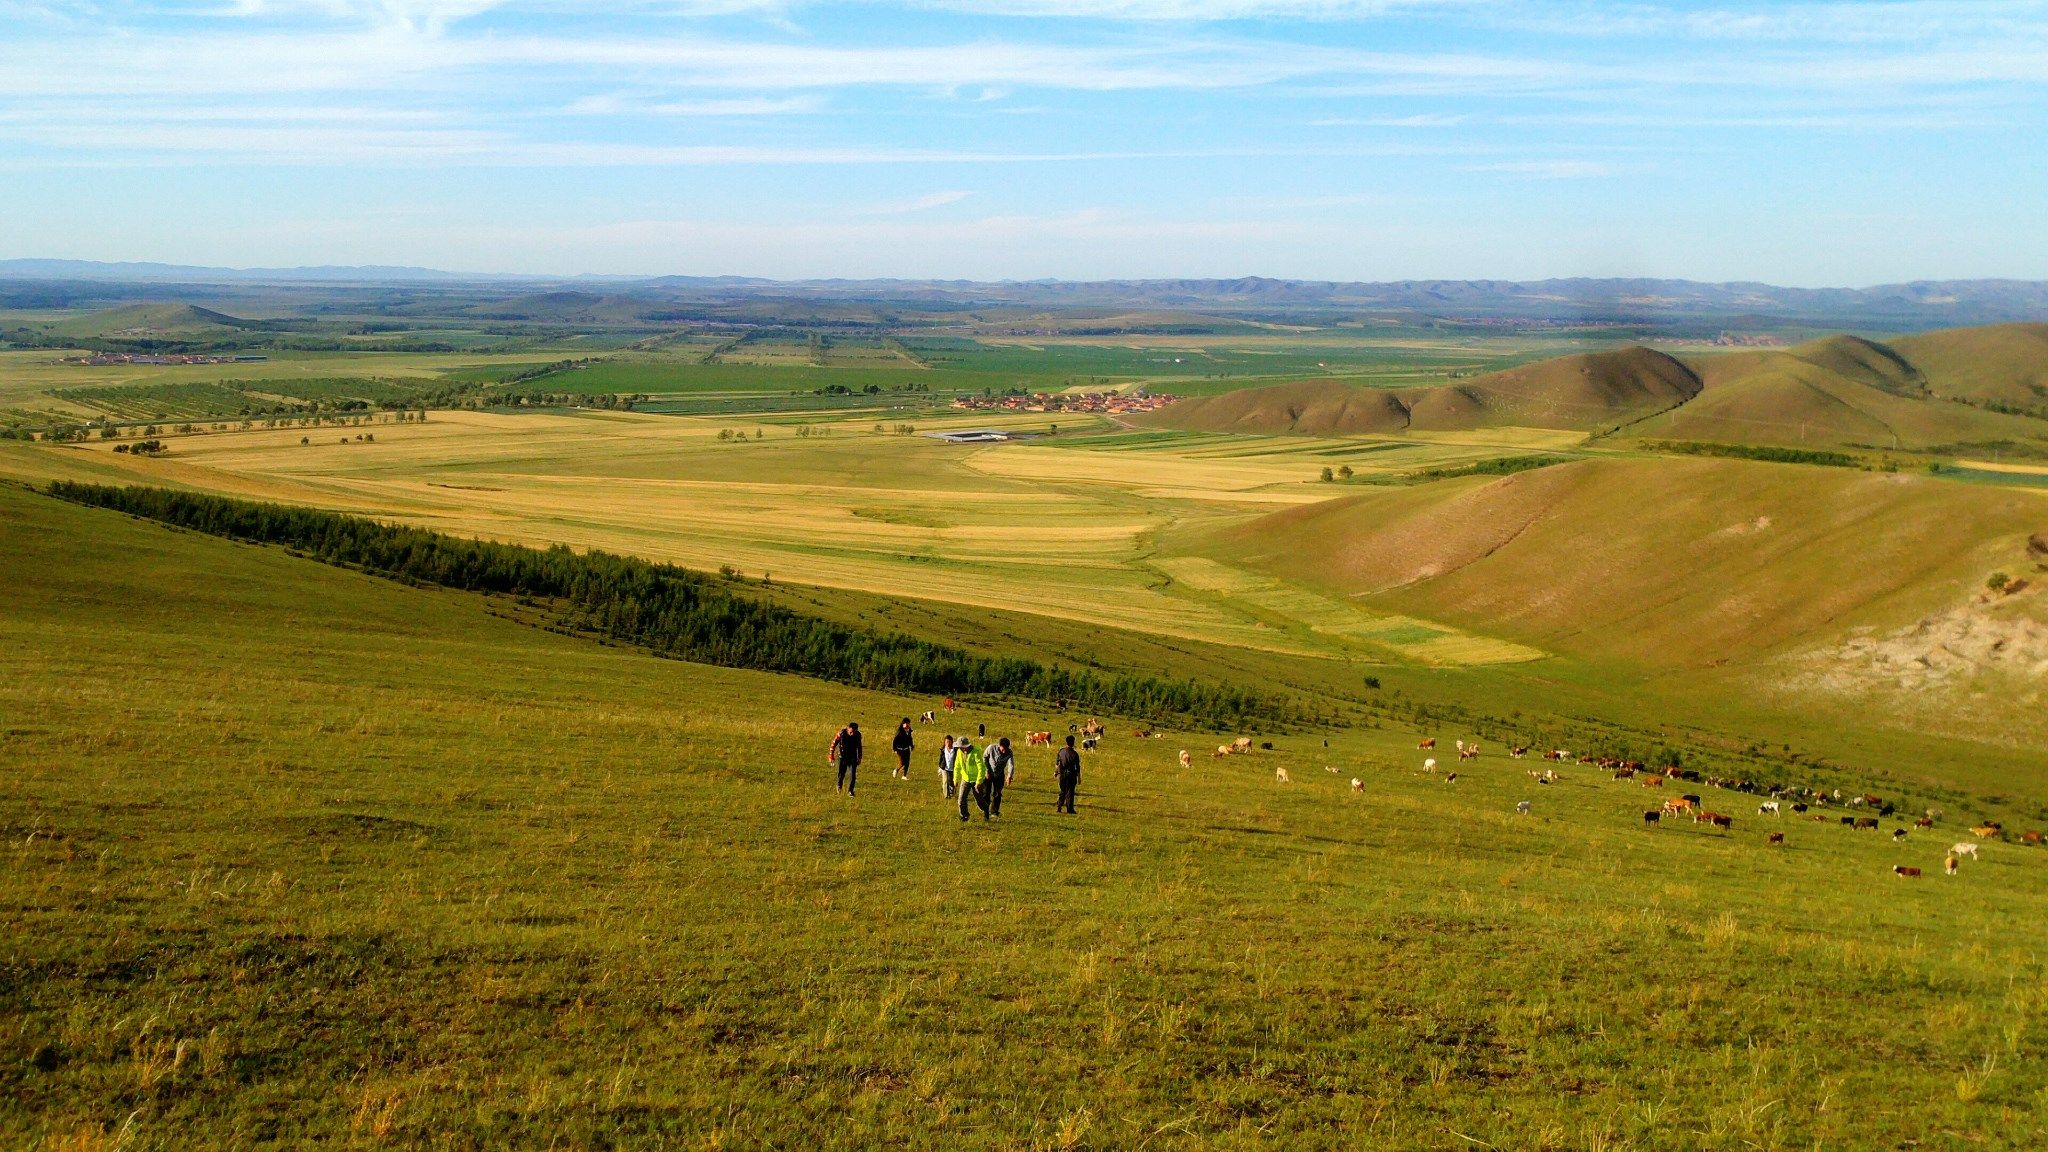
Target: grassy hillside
1838,392
2004,363
299,856
1667,562
1585,391
152,322
1923,392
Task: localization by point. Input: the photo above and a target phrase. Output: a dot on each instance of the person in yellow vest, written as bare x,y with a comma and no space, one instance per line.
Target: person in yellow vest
970,775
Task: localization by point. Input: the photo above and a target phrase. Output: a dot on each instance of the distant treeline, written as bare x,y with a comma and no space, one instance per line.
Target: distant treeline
1757,452
1500,466
687,615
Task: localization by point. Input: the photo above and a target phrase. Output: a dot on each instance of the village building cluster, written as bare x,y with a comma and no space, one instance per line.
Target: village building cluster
161,358
1110,403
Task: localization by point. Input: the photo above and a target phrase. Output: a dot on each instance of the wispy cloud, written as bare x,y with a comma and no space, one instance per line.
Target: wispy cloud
613,105
923,203
1548,169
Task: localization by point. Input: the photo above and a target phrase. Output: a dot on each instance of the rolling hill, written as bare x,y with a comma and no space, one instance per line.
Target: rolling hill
1587,391
2005,363
154,322
1682,563
1958,387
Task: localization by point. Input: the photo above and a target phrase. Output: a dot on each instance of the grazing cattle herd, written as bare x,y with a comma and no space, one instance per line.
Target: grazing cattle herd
1777,799
1798,800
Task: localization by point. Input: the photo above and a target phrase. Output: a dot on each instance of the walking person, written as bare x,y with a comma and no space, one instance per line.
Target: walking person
1002,768
902,746
946,755
1066,764
970,774
846,751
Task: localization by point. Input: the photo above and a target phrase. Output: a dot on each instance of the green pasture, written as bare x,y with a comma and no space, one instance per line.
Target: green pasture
298,856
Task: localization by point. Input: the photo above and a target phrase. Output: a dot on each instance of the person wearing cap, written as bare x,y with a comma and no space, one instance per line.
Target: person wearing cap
846,752
970,773
1002,766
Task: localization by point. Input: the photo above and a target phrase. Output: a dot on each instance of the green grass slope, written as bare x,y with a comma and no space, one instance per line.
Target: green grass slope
2003,363
1662,561
299,857
1586,391
1921,392
1842,391
152,322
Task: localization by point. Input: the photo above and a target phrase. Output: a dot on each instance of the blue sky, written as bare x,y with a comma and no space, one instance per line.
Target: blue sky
1798,143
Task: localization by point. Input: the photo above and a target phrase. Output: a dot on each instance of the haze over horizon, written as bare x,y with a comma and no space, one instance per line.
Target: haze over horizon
1798,144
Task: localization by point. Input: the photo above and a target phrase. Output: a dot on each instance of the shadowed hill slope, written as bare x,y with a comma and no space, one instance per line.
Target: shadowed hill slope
1675,562
1587,391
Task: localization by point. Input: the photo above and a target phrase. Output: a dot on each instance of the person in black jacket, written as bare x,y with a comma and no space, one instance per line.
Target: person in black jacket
902,746
846,751
1066,764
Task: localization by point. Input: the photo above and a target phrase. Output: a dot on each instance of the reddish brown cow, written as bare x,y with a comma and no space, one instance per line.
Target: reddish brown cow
1906,870
1777,838
1429,743
2030,837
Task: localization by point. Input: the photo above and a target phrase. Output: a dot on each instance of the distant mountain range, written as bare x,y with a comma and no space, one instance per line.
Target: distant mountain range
1891,307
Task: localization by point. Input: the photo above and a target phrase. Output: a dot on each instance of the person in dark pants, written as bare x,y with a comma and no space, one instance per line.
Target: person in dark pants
1002,765
970,773
1066,764
846,751
902,746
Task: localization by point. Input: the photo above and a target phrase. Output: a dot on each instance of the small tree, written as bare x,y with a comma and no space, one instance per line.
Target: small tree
1999,582
305,439
1328,475
1345,471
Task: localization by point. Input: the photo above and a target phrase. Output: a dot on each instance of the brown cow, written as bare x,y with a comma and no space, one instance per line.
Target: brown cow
1677,804
1777,838
1904,870
1653,781
1985,831
1713,818
1037,739
1869,822
2030,837
1429,743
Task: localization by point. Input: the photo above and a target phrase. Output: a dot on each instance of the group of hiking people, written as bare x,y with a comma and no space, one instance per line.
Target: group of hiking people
969,775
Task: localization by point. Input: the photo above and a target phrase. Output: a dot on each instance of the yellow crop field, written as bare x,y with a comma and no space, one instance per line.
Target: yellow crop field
1050,526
